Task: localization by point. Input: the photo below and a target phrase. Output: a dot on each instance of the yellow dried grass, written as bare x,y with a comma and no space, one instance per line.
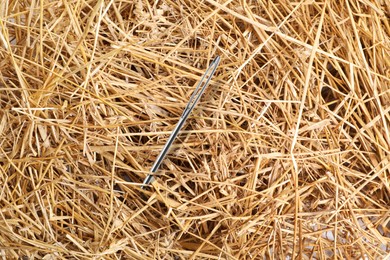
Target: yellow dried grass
286,156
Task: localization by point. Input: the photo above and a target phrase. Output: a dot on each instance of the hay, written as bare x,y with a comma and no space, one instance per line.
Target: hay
286,156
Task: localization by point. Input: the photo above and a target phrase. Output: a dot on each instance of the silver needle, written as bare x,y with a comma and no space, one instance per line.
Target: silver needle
200,88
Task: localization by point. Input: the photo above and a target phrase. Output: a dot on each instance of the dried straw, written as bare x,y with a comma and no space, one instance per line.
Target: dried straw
286,156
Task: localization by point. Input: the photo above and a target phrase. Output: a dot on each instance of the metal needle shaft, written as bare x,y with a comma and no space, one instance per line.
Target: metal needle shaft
200,88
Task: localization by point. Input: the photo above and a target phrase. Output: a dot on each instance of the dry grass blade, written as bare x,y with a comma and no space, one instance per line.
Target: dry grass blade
286,155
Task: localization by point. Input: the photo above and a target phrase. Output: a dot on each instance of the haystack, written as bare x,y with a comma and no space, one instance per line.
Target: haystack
285,157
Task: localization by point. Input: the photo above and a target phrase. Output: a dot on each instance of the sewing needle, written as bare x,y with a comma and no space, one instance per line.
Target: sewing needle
200,88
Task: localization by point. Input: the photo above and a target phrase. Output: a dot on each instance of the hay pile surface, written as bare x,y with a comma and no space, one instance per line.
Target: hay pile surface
286,156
